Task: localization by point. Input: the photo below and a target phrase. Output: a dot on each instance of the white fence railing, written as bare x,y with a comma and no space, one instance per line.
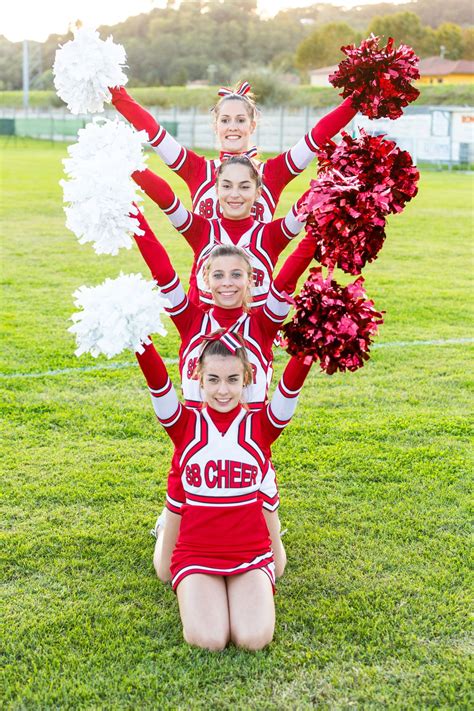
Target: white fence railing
432,134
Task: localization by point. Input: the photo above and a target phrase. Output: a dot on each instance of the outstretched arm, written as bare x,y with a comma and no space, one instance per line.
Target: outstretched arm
277,305
184,162
169,411
191,226
278,233
181,311
277,414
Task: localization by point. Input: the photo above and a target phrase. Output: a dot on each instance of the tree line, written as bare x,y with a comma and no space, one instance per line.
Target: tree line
213,40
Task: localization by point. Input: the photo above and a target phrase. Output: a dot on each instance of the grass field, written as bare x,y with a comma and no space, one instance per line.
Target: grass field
372,612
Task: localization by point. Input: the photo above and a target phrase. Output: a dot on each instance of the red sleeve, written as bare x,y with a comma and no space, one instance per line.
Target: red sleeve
181,310
155,187
187,164
194,228
295,264
276,415
169,411
329,125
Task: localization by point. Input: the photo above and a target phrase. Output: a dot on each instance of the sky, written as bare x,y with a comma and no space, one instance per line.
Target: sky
36,19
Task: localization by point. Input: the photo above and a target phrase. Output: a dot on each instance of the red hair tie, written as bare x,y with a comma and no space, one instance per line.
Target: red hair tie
243,89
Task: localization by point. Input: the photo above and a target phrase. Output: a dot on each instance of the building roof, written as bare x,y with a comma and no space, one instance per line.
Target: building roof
440,66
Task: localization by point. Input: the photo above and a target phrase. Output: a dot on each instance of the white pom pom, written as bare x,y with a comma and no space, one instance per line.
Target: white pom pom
85,67
117,315
100,193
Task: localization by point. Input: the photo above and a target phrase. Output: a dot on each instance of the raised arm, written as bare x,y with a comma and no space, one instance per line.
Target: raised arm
279,171
277,305
194,228
181,310
275,416
278,233
170,412
182,161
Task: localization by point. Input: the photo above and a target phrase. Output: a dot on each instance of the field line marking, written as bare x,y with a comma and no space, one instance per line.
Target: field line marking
173,361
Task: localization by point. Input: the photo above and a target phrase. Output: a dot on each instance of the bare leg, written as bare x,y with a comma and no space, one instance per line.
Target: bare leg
165,543
279,553
252,609
204,611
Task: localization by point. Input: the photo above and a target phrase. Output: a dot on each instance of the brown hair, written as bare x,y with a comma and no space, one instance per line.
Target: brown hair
247,99
230,250
216,347
240,160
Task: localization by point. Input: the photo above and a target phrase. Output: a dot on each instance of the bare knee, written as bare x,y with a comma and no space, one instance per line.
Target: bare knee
162,567
213,640
253,640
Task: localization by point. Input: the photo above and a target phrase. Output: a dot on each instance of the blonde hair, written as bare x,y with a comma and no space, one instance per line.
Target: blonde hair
216,347
247,99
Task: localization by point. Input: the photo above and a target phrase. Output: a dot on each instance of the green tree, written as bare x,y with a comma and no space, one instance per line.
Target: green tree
323,46
449,36
468,43
404,27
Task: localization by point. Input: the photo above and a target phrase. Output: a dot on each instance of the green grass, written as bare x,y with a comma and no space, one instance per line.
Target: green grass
205,97
374,475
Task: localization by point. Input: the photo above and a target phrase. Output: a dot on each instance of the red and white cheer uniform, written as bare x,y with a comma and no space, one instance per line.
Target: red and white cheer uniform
222,464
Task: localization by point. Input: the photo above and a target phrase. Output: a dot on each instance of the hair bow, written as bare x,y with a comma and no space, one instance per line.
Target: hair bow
227,338
243,89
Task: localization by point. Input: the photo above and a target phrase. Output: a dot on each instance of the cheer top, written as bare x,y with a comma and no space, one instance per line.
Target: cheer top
258,328
223,465
262,242
199,173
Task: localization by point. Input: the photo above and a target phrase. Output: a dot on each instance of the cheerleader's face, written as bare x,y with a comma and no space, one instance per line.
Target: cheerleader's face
234,126
222,382
237,191
228,281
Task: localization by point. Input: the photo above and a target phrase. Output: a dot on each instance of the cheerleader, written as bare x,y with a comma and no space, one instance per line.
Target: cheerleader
235,119
228,275
222,567
238,188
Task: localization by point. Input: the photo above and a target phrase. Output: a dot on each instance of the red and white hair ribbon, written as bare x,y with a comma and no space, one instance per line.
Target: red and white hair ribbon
227,339
243,89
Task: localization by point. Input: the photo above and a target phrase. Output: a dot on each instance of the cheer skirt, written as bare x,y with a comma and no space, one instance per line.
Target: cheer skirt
222,540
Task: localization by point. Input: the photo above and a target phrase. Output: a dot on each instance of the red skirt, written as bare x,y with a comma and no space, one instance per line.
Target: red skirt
218,540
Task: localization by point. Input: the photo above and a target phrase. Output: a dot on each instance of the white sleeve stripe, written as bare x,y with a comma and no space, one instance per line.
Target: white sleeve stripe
179,308
279,424
310,142
292,167
186,225
273,317
170,421
174,502
179,162
157,392
172,284
174,206
158,138
179,216
286,391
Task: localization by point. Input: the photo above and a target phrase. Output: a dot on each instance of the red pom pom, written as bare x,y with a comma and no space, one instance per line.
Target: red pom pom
332,324
378,78
347,223
380,166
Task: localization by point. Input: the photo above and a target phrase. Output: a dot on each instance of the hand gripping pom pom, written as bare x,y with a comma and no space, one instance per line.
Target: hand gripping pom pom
85,67
378,79
379,165
117,315
346,222
332,324
100,193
